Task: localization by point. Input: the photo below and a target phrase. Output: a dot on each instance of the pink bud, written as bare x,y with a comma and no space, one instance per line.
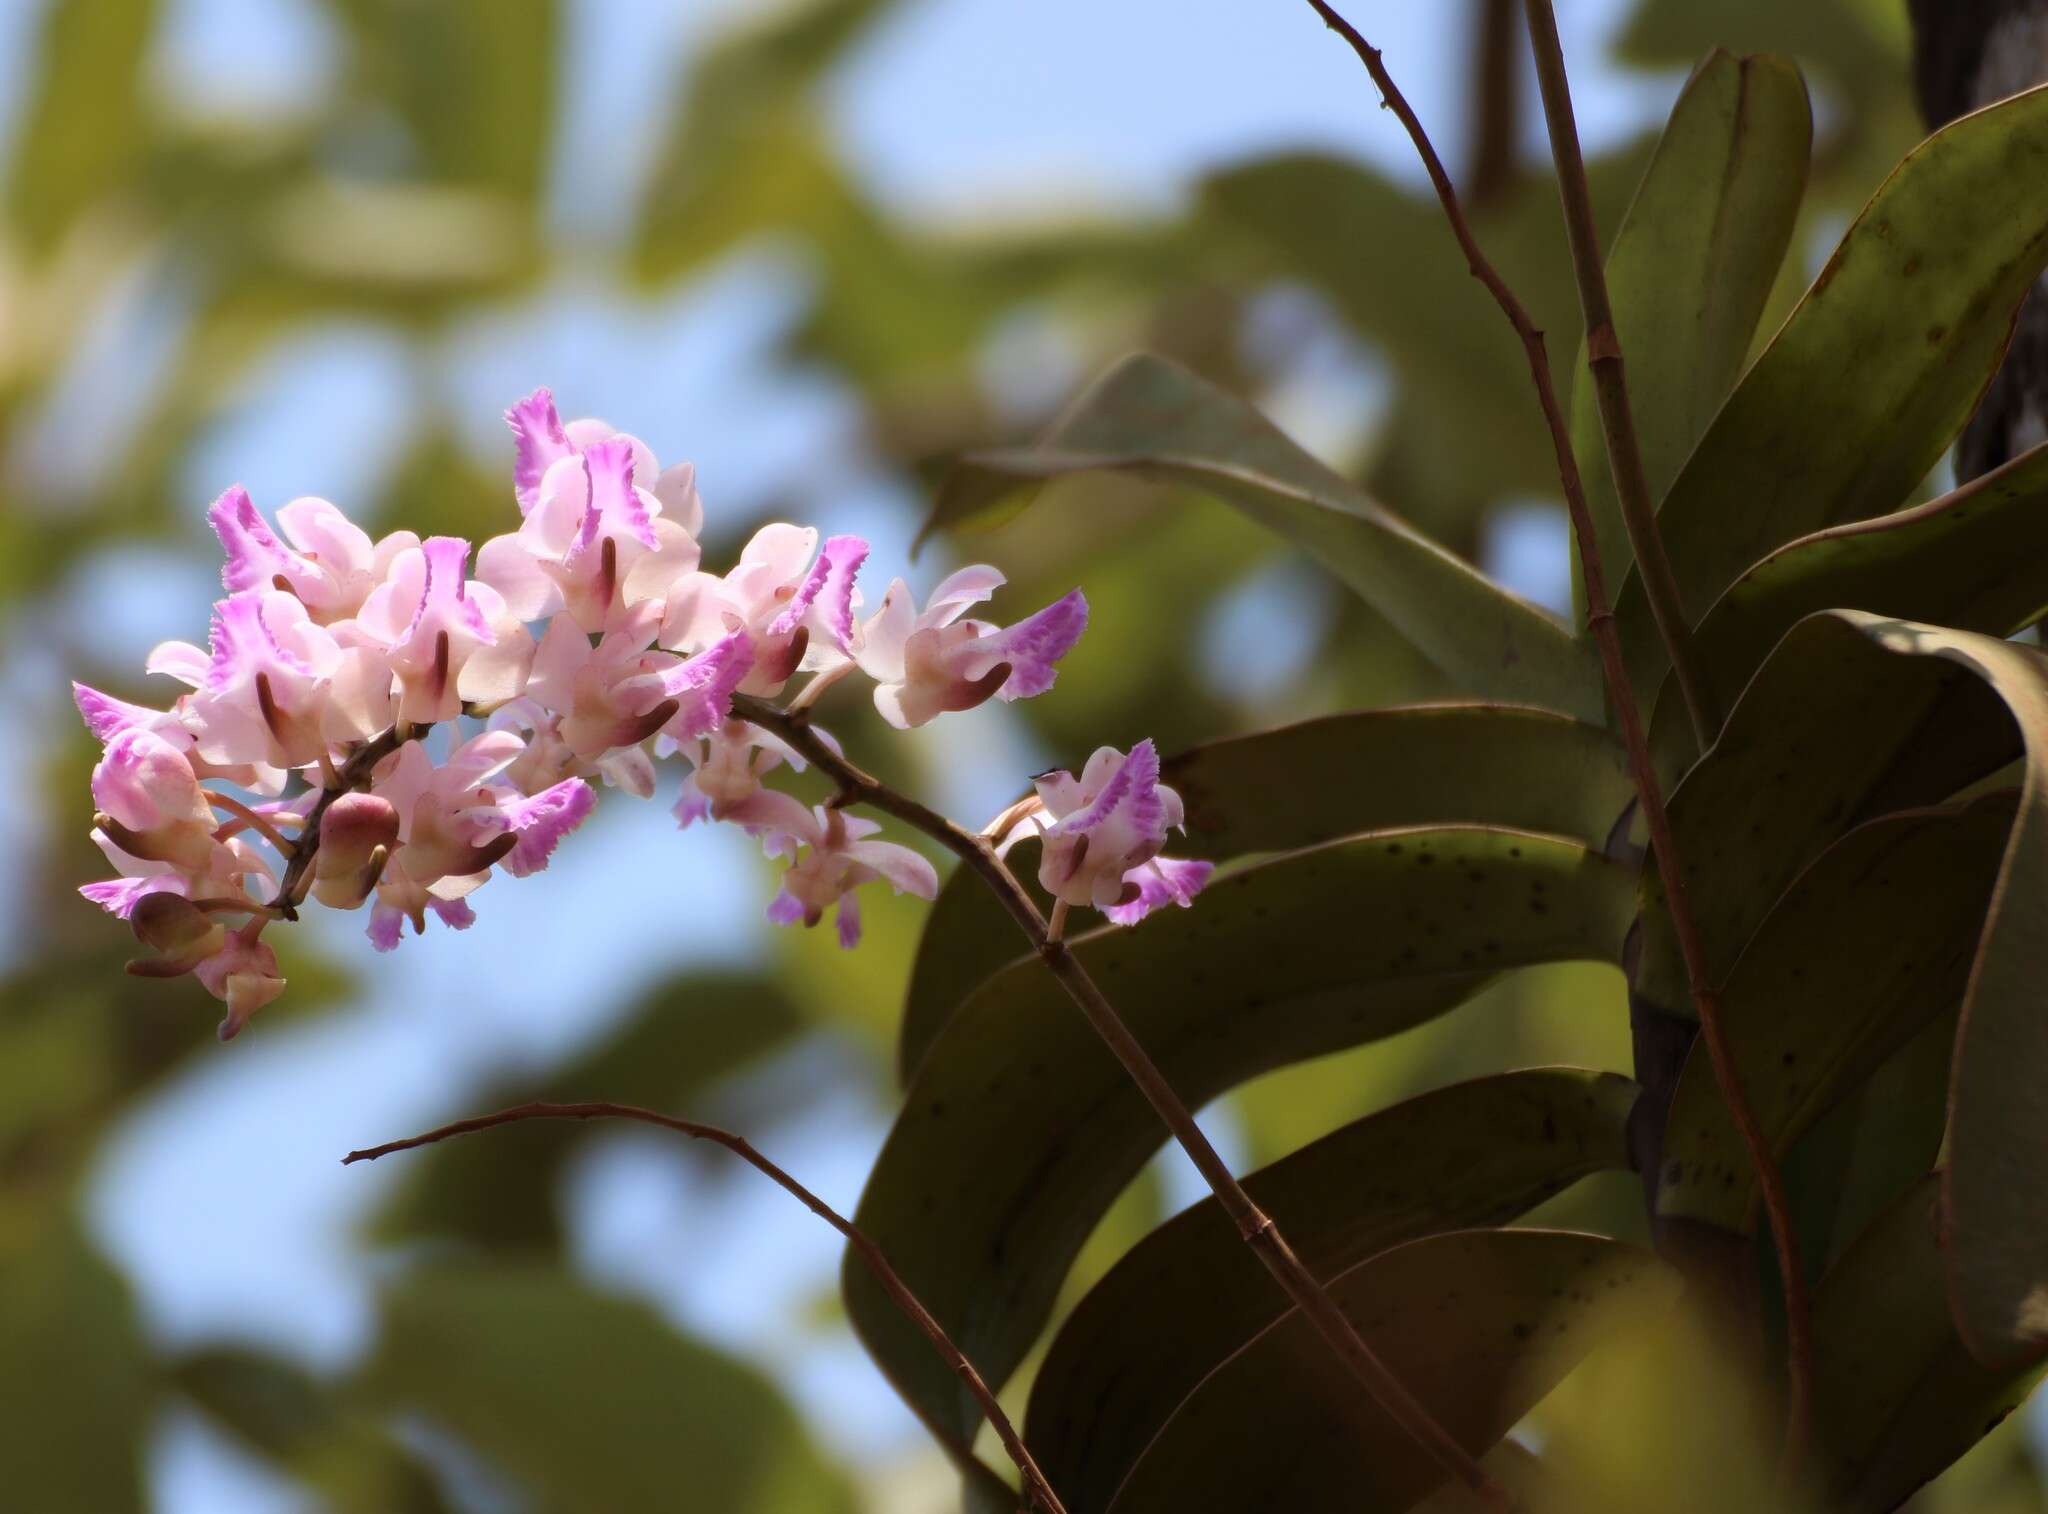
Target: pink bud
358,833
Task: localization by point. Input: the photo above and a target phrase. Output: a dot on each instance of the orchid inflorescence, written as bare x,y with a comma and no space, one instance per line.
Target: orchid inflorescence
590,642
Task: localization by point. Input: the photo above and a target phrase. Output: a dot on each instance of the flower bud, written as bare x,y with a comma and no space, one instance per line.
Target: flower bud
358,833
182,934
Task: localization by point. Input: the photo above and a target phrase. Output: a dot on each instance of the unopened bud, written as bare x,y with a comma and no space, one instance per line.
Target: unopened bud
181,934
357,834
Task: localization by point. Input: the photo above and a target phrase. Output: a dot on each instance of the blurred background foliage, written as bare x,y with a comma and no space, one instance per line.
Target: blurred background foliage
317,246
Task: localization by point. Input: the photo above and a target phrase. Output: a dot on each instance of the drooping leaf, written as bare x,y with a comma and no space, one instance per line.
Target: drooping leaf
1871,942
1690,269
1855,714
1154,419
1975,559
1191,1293
75,1375
1876,370
1478,1324
592,1403
1897,1397
1302,784
1020,1129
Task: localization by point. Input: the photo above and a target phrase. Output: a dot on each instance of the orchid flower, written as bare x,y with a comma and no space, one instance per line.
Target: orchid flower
622,691
1108,825
798,608
331,565
605,532
726,768
928,662
830,856
446,639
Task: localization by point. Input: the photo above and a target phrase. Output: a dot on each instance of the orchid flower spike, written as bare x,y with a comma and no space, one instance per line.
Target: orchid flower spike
926,662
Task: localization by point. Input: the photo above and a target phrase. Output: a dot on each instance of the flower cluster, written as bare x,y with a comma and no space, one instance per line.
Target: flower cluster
340,672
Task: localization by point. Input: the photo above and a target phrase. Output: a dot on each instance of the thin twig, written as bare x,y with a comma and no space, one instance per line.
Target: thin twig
1656,818
352,775
1610,382
1039,1490
1253,1224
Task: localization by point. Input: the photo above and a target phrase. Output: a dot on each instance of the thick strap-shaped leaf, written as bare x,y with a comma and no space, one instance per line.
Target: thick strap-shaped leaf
591,1402
1975,559
1876,370
1855,713
1190,1294
1020,1128
1150,417
1867,946
1897,1398
1478,1324
1690,269
1299,785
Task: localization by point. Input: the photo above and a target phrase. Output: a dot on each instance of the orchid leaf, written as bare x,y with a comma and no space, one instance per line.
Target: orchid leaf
1868,945
1874,373
1856,715
1303,784
1179,1303
1691,268
1478,1324
1153,419
1021,1128
1897,1398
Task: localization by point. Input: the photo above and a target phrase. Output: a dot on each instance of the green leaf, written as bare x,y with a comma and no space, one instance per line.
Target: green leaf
1478,1324
1975,559
593,1403
1191,1293
75,1375
1302,784
1691,268
1020,1129
1897,1397
83,134
1876,370
1871,942
1153,419
1857,715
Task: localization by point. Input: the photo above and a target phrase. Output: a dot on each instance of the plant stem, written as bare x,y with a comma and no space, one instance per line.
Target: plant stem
1039,1490
1656,818
1254,1226
353,774
1610,380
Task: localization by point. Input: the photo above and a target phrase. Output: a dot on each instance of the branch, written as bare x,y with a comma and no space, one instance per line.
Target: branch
353,775
1610,383
1656,818
1041,1495
1254,1226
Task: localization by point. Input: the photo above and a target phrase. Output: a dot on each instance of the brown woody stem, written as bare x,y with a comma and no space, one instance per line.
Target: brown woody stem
352,775
1610,380
1040,1491
1656,818
1253,1224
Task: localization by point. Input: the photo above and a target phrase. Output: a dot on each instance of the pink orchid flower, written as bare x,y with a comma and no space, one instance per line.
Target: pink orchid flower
444,637
331,565
244,976
1108,825
276,688
797,608
726,768
830,856
928,662
622,691
605,531
455,824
